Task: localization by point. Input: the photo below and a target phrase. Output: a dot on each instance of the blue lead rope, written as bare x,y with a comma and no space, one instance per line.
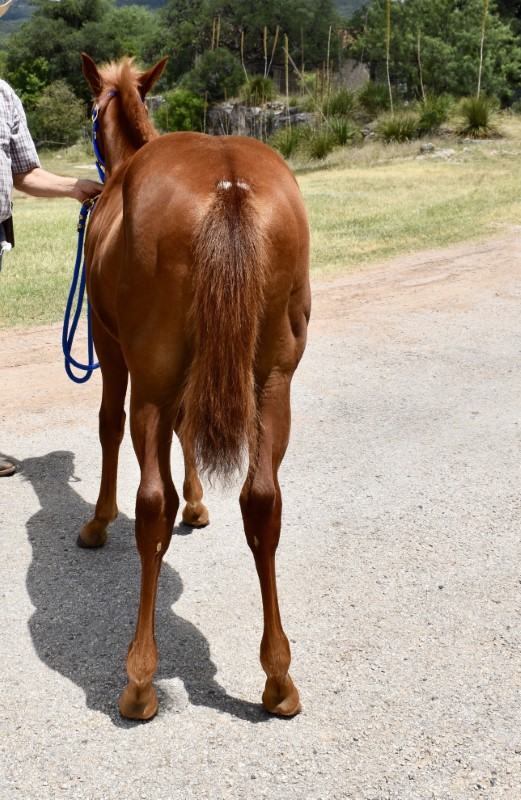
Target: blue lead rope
69,329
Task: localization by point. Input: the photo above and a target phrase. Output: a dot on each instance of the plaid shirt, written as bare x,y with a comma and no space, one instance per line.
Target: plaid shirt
17,150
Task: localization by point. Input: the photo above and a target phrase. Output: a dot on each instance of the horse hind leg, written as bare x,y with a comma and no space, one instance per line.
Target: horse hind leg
195,513
156,507
261,506
111,429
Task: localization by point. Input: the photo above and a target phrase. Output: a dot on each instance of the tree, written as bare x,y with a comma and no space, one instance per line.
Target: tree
57,34
188,29
217,74
181,111
181,36
450,46
58,117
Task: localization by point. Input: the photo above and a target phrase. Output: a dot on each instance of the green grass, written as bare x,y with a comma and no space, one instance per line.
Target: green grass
383,212
36,275
366,204
378,202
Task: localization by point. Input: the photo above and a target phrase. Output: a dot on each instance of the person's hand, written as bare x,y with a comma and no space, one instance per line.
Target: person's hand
85,189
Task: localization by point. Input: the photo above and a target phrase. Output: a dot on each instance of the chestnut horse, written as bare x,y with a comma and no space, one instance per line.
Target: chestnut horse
197,260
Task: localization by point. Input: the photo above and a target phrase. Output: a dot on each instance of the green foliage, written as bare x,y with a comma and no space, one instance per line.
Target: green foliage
30,79
319,143
344,131
341,103
258,90
57,33
188,29
58,117
449,35
305,22
287,141
181,111
373,98
401,126
217,74
433,112
478,118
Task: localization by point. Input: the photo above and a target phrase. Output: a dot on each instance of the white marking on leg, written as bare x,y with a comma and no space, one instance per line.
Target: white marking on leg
224,185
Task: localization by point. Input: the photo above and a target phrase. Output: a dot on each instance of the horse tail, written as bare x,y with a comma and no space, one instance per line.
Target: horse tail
219,405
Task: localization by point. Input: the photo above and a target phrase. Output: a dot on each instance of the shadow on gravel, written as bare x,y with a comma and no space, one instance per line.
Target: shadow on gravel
86,604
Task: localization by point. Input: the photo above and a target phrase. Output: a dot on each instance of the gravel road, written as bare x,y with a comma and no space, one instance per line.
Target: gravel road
399,568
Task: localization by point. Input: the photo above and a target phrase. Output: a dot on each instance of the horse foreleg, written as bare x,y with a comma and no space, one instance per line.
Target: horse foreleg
156,507
261,506
111,428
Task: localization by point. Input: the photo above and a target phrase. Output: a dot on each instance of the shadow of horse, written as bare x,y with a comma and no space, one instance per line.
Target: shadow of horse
86,604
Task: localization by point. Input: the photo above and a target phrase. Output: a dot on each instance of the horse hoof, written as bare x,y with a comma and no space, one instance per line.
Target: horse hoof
92,535
196,515
281,697
139,704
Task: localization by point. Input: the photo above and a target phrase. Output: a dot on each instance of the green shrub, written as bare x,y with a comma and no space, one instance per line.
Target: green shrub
217,75
341,103
343,130
287,141
373,98
58,117
181,111
259,90
433,111
319,143
402,126
478,117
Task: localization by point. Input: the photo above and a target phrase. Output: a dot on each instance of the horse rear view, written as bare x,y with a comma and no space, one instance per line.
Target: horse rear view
198,275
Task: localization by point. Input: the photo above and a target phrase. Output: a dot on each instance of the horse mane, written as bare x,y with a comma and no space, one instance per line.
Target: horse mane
123,77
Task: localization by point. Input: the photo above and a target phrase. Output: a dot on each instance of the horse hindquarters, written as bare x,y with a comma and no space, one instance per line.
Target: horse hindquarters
226,409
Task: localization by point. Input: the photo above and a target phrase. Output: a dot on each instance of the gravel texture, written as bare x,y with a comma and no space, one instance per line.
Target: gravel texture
399,568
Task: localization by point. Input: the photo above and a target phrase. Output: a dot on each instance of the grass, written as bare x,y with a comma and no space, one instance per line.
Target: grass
36,275
366,204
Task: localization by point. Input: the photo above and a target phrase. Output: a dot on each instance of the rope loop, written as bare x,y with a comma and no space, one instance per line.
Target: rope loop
77,291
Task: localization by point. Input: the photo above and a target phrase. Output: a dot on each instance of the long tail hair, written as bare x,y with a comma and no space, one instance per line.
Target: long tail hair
220,417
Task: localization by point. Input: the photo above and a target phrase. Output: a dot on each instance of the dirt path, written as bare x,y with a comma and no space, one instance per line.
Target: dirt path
31,363
399,568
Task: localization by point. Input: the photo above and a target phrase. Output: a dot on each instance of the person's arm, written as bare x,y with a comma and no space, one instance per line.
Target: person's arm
40,183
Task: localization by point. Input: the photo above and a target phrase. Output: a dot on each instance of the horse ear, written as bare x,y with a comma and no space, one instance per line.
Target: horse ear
147,79
92,75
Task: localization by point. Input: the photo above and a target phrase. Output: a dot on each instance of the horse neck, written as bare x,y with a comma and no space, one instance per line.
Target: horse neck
121,141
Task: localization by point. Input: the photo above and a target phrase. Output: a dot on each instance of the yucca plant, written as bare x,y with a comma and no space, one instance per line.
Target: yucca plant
343,130
319,143
433,112
258,90
341,103
373,98
402,126
388,51
478,118
287,141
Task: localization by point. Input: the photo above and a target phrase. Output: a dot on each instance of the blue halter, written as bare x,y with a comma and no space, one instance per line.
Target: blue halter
100,161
